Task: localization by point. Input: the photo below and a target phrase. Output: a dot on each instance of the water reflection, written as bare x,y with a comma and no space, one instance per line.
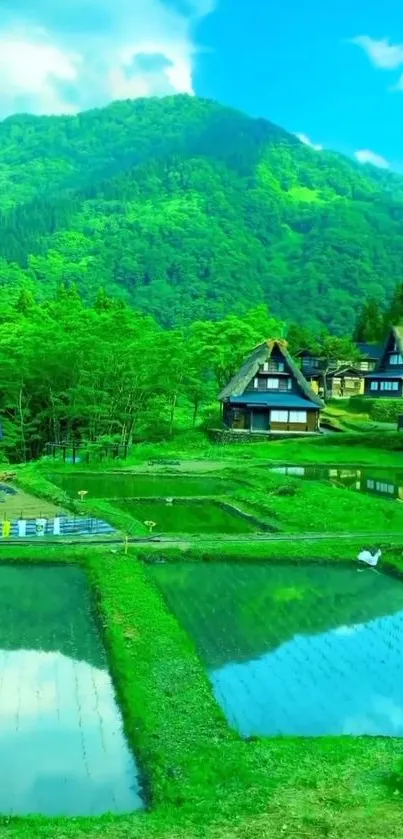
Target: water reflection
385,482
295,650
62,746
346,681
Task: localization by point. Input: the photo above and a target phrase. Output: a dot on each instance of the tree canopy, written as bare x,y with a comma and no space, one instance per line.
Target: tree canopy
188,211
107,372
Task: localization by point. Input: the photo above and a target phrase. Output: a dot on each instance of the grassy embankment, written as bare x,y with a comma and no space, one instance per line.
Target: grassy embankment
290,504
372,448
33,479
201,778
298,506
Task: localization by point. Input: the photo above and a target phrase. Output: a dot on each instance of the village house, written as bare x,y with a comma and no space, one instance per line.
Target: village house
386,380
343,379
269,394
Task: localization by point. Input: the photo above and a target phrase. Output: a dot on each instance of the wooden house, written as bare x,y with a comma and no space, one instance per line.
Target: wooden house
270,394
344,378
386,380
370,355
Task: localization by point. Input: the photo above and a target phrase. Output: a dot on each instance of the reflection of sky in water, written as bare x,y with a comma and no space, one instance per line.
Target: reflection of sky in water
62,746
345,681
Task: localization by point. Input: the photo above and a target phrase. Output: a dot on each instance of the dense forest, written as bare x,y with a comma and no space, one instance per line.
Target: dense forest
188,210
107,373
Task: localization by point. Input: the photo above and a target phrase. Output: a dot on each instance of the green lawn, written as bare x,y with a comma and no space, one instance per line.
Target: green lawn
304,506
374,447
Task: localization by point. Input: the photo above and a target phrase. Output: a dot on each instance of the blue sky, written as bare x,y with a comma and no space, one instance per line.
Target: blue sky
300,65
330,72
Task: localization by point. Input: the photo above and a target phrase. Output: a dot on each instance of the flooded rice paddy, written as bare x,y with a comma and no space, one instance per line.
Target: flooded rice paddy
386,482
62,746
295,651
126,485
192,517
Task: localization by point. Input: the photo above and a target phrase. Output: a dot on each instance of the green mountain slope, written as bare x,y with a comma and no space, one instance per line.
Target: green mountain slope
190,210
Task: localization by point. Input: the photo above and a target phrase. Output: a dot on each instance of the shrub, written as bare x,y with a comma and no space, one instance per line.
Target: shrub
380,410
387,410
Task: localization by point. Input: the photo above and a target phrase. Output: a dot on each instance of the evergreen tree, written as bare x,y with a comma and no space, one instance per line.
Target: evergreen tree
369,326
394,314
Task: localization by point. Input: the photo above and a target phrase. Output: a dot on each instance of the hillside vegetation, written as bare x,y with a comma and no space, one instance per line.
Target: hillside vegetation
189,210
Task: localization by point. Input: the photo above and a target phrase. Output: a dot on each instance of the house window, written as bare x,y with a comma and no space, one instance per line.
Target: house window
298,416
389,385
279,416
256,383
310,362
289,384
374,386
364,365
273,367
382,487
272,384
396,358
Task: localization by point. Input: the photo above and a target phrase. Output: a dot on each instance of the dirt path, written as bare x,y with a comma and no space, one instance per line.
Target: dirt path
172,541
187,542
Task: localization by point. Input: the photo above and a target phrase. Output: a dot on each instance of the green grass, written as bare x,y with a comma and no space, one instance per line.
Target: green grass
203,780
299,506
383,448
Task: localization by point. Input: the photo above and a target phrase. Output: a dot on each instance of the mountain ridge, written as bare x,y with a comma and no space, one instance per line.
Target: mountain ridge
188,210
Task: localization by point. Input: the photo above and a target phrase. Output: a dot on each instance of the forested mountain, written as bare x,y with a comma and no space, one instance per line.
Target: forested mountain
189,210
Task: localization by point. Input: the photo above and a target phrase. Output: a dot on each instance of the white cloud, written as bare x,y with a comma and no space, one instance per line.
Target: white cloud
59,720
29,69
367,156
382,53
93,51
308,142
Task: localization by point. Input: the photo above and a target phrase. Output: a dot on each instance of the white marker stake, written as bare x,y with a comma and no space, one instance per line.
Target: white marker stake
40,527
22,527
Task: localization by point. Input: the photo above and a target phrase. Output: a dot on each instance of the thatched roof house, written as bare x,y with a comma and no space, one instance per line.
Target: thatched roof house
387,378
269,393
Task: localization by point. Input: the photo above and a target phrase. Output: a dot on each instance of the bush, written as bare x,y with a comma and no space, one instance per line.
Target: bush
387,410
380,410
361,405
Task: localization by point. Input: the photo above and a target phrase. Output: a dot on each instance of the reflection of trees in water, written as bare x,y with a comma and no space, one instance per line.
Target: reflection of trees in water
49,608
235,612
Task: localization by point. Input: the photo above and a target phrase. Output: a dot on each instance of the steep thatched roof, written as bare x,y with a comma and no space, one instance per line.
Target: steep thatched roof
369,350
258,356
396,332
